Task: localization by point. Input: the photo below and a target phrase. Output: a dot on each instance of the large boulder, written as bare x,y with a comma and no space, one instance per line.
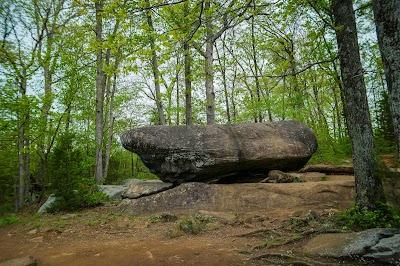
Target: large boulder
380,244
250,197
202,153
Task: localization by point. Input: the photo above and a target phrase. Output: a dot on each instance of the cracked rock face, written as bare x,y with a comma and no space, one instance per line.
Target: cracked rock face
205,153
379,244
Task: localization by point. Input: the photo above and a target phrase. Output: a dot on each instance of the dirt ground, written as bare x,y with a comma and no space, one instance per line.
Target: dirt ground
103,236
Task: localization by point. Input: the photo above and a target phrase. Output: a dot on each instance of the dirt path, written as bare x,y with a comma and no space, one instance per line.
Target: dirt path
103,236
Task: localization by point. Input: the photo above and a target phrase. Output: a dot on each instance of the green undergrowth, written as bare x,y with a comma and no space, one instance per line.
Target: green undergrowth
9,220
357,219
191,225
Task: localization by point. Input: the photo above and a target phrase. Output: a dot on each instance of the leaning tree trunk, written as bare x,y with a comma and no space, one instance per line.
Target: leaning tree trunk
369,189
387,20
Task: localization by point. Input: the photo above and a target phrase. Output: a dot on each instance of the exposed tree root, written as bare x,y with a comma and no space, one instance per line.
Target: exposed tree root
289,259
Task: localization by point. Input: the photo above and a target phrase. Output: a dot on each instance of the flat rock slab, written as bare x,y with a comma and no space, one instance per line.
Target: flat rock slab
205,153
244,197
381,244
145,188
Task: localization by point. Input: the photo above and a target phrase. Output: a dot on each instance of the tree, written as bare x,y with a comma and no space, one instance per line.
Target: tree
387,20
369,190
154,64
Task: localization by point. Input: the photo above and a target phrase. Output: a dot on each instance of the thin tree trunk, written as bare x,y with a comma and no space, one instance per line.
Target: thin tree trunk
209,68
23,168
387,20
154,64
99,93
188,85
254,55
177,94
369,189
111,126
188,75
222,63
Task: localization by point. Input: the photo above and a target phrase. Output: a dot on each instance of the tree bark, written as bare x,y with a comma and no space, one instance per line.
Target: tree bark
111,126
188,75
209,67
387,20
254,55
154,64
369,189
100,77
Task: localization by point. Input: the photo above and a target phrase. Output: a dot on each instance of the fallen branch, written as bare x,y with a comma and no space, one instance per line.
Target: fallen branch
328,169
258,231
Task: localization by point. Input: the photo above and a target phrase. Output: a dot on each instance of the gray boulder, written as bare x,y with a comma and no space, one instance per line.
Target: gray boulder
145,188
380,244
50,200
112,191
180,154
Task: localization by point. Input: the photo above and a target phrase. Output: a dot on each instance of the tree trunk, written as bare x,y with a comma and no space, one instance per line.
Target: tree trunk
111,126
209,68
387,20
99,93
188,77
254,55
23,168
369,189
188,85
154,64
222,63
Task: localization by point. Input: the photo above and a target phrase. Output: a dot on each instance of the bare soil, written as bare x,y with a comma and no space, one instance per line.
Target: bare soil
103,236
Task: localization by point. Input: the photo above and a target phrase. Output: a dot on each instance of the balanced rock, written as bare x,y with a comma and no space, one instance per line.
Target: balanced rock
207,153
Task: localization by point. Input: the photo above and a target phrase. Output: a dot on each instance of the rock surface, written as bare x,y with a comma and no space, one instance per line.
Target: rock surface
24,261
180,154
145,188
380,244
243,197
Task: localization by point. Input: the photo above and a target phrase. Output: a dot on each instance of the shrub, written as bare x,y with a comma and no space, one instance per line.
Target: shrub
71,188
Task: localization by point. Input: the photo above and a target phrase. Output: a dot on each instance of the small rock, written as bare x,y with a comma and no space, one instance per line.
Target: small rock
312,215
145,188
276,176
32,232
38,239
25,261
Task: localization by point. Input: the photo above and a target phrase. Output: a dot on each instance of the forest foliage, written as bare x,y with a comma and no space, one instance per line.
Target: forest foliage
75,74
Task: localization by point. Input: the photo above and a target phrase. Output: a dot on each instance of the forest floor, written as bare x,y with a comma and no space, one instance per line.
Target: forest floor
104,236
